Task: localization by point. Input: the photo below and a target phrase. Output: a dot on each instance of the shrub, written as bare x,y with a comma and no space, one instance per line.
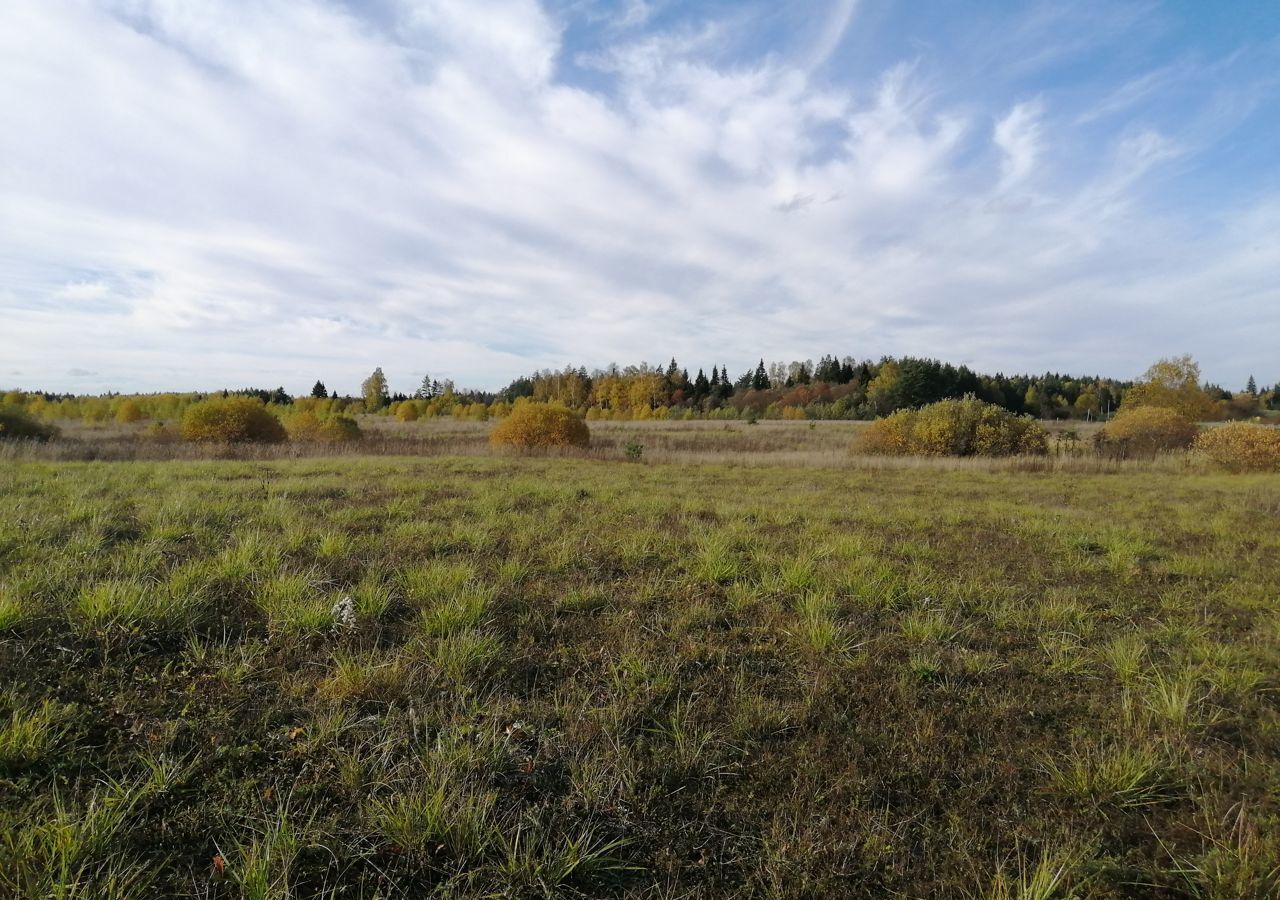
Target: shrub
407,411
307,426
1145,431
18,424
231,420
541,425
967,427
128,411
1242,447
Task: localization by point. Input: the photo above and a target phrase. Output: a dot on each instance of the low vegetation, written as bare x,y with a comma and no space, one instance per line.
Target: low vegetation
229,420
534,425
1145,431
335,428
966,427
544,677
17,424
1242,447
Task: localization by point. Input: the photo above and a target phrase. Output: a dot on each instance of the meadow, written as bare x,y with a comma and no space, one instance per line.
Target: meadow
745,665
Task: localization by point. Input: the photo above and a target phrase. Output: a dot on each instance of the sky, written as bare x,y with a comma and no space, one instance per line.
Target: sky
197,194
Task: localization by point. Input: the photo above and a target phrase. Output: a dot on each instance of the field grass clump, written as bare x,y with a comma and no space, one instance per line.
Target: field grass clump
231,420
1143,431
30,735
538,425
1242,446
19,425
966,427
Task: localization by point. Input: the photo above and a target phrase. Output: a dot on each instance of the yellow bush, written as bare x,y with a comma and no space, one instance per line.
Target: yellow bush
1242,447
794,412
407,411
540,425
967,427
231,420
128,411
307,427
1146,431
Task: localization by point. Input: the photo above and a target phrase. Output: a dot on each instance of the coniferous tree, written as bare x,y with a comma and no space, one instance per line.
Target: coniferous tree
319,391
701,387
760,381
1251,388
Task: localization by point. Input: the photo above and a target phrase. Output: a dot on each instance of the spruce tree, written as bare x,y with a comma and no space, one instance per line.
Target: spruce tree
760,381
701,387
318,390
1251,388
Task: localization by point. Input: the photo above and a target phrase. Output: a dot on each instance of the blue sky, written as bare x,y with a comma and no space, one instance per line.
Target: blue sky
198,194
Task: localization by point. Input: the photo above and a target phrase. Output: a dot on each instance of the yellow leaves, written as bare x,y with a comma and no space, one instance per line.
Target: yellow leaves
309,427
1242,447
967,427
540,425
1147,430
231,419
1173,384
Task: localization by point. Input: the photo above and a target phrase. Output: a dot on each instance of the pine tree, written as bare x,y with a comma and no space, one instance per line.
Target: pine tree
1251,388
701,387
760,381
424,390
715,377
319,391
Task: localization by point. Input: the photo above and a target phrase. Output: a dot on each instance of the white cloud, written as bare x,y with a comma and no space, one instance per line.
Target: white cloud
200,194
1018,135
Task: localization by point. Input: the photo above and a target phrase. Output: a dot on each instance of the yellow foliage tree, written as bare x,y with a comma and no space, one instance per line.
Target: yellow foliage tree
1173,384
128,411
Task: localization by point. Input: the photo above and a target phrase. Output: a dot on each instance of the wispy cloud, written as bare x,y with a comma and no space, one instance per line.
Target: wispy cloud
197,194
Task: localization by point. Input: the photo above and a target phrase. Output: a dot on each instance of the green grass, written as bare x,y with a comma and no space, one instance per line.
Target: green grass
557,677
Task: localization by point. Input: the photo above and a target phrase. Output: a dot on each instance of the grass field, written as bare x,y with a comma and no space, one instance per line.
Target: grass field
484,676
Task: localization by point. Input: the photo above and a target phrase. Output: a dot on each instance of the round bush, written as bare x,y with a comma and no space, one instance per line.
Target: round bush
540,425
18,424
967,427
128,411
308,427
227,420
1146,431
1242,447
407,411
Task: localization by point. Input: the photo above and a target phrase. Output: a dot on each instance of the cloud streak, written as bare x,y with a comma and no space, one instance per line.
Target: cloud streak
200,194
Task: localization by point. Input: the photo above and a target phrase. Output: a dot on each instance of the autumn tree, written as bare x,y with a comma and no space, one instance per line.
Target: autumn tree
1174,384
374,390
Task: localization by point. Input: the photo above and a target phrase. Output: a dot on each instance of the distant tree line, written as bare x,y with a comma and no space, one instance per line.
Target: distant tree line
833,387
